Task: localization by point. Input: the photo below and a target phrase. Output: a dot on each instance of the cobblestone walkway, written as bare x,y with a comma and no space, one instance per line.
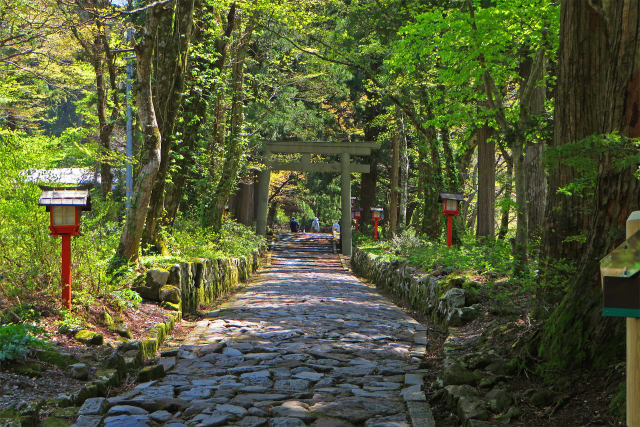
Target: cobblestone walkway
306,344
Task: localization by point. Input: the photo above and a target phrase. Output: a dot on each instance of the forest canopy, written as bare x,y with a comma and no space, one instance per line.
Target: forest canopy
527,108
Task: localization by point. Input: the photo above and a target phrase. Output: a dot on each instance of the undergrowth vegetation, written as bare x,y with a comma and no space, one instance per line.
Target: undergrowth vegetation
30,283
489,257
18,341
489,262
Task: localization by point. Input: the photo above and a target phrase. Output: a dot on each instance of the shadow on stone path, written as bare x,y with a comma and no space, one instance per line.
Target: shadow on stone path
306,344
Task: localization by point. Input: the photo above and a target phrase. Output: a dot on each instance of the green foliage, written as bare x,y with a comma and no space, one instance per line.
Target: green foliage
586,155
189,241
70,321
491,257
17,341
618,405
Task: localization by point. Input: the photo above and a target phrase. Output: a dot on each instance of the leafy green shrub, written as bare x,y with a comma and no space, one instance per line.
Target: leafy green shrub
127,298
70,322
189,240
17,341
406,242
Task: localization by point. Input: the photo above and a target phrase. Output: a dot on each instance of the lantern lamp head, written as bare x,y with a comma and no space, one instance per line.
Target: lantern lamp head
65,206
376,213
450,203
356,213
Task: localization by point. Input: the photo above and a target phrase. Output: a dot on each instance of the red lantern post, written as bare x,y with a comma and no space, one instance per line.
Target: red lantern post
376,215
450,208
64,206
356,213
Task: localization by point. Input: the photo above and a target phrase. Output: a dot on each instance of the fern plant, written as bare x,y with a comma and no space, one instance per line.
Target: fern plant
17,341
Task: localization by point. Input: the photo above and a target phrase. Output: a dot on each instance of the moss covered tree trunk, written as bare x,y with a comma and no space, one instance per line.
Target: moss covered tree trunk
404,175
598,93
507,189
170,65
129,246
395,178
235,144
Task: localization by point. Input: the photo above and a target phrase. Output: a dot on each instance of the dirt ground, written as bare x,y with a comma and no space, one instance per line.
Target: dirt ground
48,381
584,403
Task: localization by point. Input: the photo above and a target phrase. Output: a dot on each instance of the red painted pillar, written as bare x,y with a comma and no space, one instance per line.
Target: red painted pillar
66,270
449,230
375,230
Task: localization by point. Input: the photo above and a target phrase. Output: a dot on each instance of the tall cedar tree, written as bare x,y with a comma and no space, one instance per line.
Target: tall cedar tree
598,93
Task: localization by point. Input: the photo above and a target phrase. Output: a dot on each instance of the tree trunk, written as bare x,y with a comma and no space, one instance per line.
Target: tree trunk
129,246
195,115
432,184
235,145
486,183
170,69
598,93
404,176
395,175
530,115
531,104
506,206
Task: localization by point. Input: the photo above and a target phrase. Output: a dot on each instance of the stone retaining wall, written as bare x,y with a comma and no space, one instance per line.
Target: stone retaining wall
448,301
187,285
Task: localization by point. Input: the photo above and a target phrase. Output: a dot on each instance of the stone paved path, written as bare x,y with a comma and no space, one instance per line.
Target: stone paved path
306,344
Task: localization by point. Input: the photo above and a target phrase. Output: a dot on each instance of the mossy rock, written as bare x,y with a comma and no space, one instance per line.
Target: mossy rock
458,374
171,306
106,319
150,373
55,357
31,369
171,294
110,376
69,330
95,389
88,337
456,281
115,361
149,347
124,332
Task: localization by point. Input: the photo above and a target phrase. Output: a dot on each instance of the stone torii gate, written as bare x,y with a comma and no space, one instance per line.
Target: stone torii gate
345,167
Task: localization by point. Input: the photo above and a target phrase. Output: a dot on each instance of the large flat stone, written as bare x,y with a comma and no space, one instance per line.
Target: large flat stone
357,409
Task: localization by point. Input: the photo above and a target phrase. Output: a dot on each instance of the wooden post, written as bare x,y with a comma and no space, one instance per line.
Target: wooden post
345,226
633,347
375,229
449,230
66,270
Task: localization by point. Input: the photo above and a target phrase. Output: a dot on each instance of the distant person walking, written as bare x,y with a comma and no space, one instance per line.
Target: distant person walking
336,227
294,225
315,225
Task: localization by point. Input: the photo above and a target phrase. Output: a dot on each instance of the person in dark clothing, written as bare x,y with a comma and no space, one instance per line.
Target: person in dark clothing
294,225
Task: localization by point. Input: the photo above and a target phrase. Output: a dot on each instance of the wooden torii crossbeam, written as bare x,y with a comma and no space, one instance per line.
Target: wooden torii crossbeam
345,167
